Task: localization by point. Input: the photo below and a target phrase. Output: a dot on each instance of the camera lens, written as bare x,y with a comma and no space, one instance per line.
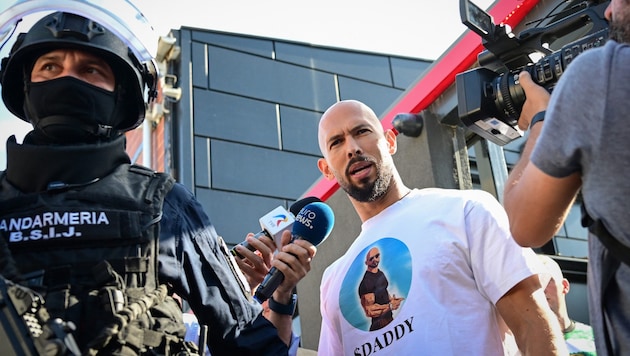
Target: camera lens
510,97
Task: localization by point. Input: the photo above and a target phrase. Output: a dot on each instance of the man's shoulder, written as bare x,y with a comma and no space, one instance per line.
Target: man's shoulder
181,207
594,60
180,190
451,192
459,196
178,200
179,194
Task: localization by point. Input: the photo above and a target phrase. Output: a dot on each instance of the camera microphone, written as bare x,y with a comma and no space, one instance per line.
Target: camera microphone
275,222
313,223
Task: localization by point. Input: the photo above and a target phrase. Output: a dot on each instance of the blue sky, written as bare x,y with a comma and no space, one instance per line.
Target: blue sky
414,28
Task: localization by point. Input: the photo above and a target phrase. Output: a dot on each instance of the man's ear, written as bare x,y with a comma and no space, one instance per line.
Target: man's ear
565,286
325,169
392,143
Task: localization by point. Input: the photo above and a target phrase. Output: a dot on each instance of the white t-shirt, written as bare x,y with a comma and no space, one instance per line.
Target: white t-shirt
450,255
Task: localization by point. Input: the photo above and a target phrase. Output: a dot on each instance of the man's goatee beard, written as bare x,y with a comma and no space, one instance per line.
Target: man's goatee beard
372,192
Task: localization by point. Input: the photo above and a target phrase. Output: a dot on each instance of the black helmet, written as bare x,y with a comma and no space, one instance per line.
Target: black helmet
67,30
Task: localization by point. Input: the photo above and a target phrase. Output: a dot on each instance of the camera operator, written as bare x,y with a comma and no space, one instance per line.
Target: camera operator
106,242
583,144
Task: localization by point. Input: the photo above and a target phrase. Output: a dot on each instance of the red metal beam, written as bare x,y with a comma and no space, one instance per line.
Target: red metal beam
441,75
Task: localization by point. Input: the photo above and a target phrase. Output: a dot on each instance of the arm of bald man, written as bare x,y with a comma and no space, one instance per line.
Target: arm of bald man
526,312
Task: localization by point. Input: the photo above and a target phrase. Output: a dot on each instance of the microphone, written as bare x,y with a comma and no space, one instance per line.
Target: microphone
298,205
313,223
275,222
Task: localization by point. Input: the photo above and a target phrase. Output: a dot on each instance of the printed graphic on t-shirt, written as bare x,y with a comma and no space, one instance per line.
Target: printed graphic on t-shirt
376,285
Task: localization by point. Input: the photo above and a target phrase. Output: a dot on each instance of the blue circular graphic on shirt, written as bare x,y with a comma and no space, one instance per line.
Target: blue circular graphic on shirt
394,265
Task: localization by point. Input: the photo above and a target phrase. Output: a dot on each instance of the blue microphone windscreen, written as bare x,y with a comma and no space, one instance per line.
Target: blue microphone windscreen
314,223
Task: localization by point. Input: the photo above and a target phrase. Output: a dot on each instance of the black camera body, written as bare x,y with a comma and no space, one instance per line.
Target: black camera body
490,97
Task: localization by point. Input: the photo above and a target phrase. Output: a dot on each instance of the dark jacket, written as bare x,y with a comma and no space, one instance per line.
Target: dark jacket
192,260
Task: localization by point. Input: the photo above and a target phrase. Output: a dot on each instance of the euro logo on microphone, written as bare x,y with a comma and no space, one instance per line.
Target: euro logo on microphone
306,217
313,223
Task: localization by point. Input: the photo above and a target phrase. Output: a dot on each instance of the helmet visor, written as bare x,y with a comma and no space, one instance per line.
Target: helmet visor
119,16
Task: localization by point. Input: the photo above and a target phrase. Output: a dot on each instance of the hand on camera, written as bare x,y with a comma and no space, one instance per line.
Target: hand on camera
537,99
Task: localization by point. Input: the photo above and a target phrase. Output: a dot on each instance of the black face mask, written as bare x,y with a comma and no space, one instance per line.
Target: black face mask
69,110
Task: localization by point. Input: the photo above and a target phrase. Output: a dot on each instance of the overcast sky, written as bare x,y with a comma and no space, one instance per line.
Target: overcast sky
421,29
415,28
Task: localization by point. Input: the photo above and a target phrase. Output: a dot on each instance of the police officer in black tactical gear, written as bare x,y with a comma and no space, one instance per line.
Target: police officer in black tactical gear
107,243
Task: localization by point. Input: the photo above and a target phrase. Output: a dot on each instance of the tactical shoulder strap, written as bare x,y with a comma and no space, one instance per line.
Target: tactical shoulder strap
597,228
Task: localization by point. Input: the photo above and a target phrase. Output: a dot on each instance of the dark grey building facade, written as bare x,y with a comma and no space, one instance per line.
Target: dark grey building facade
245,129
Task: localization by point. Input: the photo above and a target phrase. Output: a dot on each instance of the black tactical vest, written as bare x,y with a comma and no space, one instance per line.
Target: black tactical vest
92,250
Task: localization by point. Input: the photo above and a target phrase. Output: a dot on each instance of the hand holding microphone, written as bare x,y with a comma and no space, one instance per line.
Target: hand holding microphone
256,265
313,224
275,222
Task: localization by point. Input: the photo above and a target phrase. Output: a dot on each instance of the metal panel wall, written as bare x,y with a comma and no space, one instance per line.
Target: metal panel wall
247,121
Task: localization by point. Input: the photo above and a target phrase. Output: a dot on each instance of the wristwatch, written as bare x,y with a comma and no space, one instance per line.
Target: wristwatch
284,309
538,117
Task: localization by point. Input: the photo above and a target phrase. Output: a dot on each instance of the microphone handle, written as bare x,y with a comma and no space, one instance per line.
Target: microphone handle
271,282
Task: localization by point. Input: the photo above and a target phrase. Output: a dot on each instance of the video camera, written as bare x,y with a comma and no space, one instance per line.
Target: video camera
490,97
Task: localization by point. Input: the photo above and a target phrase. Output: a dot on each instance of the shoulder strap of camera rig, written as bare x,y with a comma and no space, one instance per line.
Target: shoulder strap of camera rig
620,251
